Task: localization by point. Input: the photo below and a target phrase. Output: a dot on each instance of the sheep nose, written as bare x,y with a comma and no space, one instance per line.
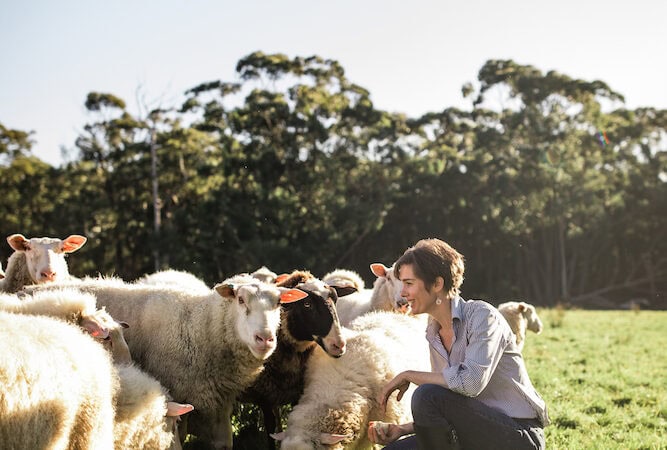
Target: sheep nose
266,337
48,275
339,346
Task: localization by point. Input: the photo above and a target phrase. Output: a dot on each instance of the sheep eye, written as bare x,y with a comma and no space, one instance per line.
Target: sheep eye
241,301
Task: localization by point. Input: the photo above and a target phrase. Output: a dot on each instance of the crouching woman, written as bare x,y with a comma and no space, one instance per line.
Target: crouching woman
478,394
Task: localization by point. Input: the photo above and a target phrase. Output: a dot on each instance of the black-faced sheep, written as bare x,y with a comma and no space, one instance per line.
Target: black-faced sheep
204,347
56,386
385,295
340,395
38,260
521,316
304,324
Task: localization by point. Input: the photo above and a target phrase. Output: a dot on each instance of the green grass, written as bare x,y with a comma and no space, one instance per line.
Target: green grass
603,375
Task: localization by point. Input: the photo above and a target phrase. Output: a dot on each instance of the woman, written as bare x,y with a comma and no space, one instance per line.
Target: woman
478,394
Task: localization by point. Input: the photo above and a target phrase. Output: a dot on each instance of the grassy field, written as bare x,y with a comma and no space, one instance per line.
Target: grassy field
602,373
604,377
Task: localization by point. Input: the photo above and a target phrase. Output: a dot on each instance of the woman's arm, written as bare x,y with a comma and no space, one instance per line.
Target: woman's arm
401,382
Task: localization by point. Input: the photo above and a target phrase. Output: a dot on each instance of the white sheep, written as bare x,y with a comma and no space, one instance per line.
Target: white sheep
145,418
177,278
385,295
340,395
265,274
38,260
56,386
204,347
521,316
77,308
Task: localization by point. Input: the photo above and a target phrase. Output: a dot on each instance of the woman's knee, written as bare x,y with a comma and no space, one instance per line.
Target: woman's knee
428,401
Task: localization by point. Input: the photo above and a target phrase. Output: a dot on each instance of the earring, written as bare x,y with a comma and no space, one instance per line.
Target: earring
438,301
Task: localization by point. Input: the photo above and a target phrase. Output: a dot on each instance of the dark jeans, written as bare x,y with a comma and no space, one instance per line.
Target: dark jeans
437,411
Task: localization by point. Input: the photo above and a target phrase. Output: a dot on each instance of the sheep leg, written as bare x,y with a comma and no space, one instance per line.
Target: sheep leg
271,425
214,428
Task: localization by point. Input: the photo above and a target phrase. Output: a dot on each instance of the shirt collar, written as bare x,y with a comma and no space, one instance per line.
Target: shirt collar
457,308
433,327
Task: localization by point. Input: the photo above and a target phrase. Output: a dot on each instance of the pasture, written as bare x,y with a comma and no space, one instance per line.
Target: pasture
604,377
602,373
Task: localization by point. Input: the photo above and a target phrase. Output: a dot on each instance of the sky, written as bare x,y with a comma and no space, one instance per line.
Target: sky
412,56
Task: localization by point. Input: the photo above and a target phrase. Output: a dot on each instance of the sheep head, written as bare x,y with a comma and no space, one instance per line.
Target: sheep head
45,257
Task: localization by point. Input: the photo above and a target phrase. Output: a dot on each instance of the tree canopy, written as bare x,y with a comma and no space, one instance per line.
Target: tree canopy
551,194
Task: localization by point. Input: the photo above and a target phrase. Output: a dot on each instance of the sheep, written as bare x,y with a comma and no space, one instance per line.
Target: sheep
385,295
56,386
521,316
77,308
265,274
204,347
177,278
2,272
340,395
304,324
38,260
145,417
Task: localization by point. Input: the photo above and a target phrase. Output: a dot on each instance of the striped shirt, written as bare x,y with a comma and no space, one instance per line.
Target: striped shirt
484,361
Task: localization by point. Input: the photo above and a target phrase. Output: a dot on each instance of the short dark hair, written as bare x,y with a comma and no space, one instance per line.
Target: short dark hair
433,258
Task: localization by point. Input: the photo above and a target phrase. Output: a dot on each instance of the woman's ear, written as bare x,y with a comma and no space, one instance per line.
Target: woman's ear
439,284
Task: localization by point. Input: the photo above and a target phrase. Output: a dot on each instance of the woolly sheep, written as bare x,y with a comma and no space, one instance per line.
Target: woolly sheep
77,308
265,274
145,417
521,316
177,278
38,260
385,295
204,347
304,324
56,386
340,395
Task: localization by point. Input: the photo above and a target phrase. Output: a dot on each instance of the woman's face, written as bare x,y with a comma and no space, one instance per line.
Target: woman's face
414,291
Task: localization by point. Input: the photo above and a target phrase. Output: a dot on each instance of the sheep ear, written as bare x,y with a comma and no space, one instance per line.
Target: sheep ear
280,278
278,436
292,295
18,242
123,324
225,290
73,243
94,328
330,439
379,269
342,291
522,307
178,409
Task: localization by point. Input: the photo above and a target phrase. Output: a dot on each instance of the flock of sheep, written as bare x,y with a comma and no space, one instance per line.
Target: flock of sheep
102,363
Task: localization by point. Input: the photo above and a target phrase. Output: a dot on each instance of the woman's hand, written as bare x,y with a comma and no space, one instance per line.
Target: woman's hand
400,382
385,433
